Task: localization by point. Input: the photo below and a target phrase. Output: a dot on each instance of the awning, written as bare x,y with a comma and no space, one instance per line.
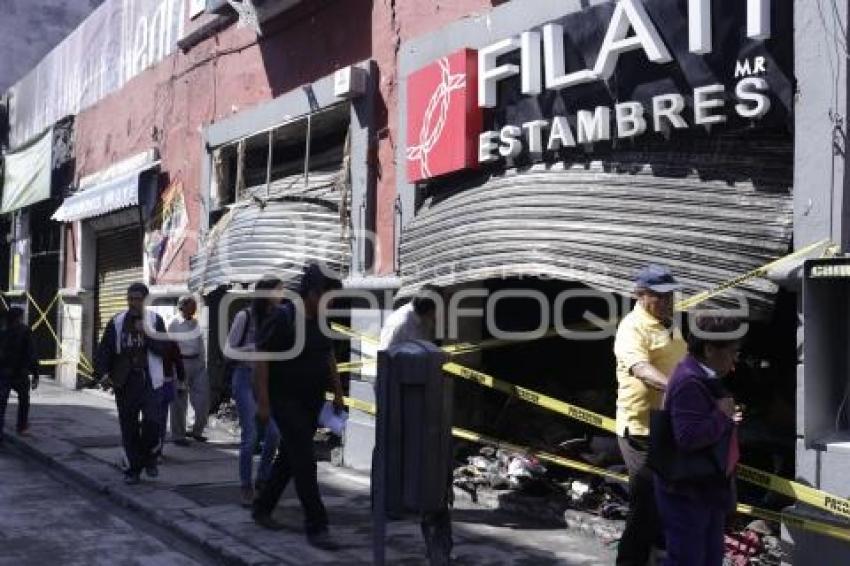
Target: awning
599,228
109,196
258,238
27,174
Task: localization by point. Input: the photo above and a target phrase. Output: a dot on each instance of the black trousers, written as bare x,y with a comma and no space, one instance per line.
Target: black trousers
22,388
139,408
297,422
643,524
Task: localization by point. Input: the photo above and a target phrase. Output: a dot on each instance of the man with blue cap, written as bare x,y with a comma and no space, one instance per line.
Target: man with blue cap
648,348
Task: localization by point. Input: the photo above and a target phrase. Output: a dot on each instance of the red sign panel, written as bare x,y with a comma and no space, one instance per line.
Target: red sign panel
443,117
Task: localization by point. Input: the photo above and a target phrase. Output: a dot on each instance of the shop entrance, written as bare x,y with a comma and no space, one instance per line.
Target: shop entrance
44,281
118,264
582,372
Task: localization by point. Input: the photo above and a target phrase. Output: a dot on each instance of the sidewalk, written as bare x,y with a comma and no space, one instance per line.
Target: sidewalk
197,495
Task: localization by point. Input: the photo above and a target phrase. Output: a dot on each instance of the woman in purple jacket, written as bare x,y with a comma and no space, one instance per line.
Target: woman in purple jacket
703,417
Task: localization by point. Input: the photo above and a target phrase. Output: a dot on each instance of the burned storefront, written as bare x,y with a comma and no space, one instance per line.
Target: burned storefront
280,195
551,155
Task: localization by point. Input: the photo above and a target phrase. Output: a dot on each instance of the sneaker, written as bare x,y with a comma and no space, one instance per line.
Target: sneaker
152,471
267,522
247,496
132,478
323,541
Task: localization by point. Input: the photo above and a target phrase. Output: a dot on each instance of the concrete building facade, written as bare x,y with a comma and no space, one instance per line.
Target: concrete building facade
226,107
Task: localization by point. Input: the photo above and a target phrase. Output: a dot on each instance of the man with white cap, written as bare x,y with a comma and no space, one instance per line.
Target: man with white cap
185,331
648,348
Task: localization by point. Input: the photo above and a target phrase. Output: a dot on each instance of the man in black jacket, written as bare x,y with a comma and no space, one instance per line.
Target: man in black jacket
130,360
293,392
19,362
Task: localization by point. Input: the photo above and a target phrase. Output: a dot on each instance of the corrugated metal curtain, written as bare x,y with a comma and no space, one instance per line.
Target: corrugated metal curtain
118,264
260,237
598,228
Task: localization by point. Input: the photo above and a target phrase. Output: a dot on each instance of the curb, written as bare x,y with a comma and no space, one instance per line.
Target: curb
230,551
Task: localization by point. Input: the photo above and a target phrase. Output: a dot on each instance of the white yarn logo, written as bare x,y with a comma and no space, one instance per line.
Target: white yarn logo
431,130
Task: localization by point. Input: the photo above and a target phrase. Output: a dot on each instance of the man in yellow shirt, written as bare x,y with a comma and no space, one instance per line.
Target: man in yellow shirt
648,348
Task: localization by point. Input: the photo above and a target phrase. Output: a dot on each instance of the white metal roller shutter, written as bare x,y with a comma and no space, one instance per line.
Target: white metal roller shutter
118,264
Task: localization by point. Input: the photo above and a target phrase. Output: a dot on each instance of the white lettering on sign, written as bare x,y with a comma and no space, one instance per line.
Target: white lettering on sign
629,15
631,119
758,19
752,90
489,74
699,26
745,69
560,134
593,126
705,102
828,271
630,29
510,146
667,110
534,134
553,61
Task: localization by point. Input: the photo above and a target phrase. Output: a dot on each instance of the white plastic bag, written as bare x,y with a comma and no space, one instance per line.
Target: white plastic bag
332,421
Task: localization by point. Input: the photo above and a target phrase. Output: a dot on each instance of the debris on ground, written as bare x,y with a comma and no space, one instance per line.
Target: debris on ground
754,545
498,469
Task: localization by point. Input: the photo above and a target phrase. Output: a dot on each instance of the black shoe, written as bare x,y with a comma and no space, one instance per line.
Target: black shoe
323,541
267,522
132,478
199,437
152,471
181,441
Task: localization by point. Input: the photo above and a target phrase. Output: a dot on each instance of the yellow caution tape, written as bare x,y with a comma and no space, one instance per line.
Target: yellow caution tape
826,529
809,495
691,302
533,397
43,317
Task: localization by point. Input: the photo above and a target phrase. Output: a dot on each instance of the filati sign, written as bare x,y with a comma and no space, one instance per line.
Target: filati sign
618,71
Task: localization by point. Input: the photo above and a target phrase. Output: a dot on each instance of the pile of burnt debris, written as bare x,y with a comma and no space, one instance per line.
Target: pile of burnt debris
594,504
498,469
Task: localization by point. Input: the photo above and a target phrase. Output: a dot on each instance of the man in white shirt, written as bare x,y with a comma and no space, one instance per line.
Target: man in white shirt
414,321
186,333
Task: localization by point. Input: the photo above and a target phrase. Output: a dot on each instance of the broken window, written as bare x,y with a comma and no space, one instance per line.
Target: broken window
295,158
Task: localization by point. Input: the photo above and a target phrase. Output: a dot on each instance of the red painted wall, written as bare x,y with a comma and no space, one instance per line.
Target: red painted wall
167,106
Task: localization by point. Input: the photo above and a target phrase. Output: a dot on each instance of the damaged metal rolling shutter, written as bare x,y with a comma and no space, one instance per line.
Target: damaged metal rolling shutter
118,264
275,235
598,228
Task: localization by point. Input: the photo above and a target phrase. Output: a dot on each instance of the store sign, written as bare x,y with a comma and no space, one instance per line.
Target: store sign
612,72
831,268
119,40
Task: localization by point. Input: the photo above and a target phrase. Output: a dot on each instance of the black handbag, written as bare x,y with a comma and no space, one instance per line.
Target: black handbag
673,464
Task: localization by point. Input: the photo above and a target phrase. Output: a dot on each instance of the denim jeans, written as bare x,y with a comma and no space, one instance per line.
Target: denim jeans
246,407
